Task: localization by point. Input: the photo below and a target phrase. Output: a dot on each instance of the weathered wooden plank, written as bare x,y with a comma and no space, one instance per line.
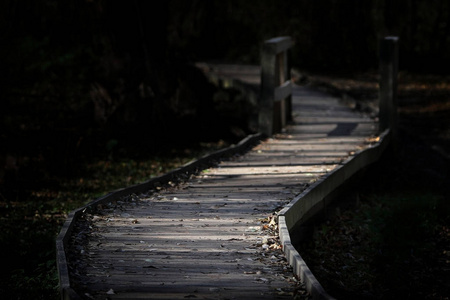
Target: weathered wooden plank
283,91
278,44
205,237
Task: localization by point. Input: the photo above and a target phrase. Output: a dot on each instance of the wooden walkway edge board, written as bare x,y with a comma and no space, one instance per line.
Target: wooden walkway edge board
214,236
313,199
65,234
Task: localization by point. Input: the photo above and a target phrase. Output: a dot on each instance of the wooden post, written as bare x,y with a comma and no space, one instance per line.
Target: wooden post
388,85
288,78
268,77
275,85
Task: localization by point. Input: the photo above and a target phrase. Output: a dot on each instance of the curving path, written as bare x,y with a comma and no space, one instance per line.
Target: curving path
215,235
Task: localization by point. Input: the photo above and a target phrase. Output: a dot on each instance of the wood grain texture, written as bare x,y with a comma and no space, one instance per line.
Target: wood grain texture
207,237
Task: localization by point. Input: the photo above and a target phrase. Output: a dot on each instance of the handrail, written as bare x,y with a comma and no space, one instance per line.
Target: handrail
276,88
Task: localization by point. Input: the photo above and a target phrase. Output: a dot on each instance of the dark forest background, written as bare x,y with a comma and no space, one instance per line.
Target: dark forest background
78,77
88,83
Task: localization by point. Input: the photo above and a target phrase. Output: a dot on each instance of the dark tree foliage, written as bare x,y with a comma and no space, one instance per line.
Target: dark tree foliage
329,34
78,74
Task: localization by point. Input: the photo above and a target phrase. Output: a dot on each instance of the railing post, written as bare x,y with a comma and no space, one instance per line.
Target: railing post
275,99
388,85
288,78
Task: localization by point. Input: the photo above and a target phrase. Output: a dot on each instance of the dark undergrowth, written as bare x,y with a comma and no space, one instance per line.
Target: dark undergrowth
389,236
393,240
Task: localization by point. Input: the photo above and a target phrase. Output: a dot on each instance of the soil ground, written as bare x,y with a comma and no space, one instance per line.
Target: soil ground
393,241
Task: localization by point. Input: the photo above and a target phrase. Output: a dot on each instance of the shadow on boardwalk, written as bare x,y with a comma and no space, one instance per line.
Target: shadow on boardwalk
214,236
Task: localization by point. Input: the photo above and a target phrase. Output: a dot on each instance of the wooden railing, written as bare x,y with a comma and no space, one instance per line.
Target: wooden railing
275,102
388,85
275,112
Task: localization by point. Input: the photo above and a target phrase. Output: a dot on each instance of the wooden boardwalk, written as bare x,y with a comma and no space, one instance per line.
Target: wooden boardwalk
214,236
